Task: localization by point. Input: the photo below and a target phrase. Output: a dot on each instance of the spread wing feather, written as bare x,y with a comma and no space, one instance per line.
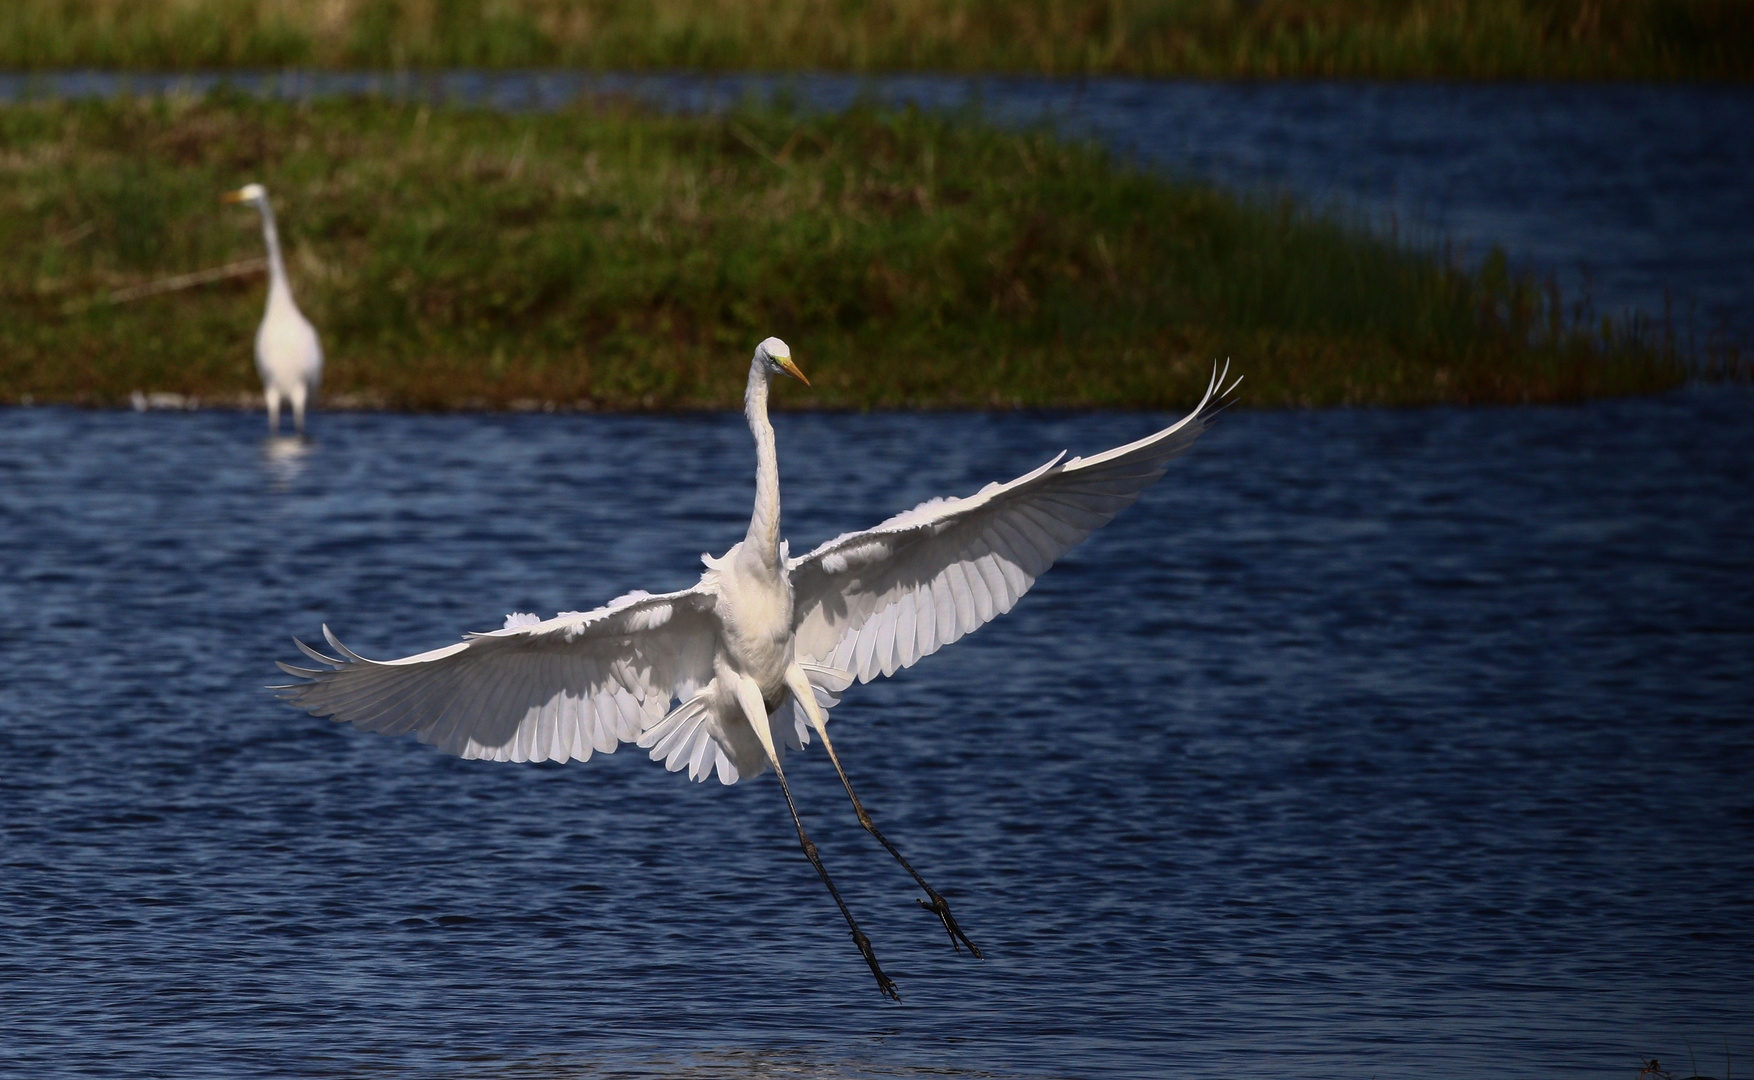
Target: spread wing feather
534,691
876,601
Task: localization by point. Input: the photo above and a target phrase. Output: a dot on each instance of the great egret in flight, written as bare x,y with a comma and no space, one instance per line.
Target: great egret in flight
757,652
288,354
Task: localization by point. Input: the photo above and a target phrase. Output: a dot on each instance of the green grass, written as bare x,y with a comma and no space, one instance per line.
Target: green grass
1489,39
606,257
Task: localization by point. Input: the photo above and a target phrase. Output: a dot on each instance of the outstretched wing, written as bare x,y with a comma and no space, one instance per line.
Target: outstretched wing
874,601
534,691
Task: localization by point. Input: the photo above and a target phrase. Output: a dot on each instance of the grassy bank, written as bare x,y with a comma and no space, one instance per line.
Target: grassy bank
1489,39
604,257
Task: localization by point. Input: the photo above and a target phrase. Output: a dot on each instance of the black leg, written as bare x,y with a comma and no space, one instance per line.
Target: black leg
884,983
938,905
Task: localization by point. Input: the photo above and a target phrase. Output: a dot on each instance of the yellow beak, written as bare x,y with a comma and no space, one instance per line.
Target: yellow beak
232,196
791,369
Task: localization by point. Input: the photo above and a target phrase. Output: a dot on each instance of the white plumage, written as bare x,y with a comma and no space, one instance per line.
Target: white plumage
288,355
722,678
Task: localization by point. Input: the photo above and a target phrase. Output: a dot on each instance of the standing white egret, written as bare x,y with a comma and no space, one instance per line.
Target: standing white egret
759,650
288,354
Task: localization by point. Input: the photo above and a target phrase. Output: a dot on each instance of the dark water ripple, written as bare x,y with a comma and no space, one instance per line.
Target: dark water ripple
1369,743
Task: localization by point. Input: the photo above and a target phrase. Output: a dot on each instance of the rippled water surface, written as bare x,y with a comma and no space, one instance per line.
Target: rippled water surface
1398,743
1634,197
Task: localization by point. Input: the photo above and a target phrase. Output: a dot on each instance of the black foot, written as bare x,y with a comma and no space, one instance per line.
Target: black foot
884,982
941,908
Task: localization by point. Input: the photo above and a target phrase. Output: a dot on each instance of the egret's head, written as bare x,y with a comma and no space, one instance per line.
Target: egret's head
253,194
777,355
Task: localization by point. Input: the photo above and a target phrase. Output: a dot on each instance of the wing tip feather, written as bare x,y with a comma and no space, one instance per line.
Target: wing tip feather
317,656
335,643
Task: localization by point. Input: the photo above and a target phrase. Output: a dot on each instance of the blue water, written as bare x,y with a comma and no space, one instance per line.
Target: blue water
1635,198
1369,743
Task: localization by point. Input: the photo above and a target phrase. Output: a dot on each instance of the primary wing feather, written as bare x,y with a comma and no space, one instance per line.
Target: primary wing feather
533,691
875,601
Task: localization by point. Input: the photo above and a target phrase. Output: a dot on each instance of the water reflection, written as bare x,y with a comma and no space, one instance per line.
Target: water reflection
284,458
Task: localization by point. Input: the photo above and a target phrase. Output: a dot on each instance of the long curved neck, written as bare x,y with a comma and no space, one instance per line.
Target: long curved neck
278,288
764,523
